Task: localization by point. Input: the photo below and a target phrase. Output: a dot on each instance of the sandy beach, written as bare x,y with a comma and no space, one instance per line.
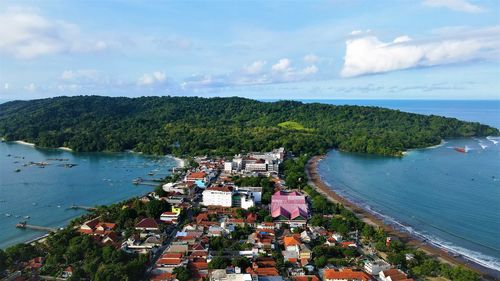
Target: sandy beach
24,143
316,182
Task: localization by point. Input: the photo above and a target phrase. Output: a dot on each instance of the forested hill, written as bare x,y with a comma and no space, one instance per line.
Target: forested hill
223,126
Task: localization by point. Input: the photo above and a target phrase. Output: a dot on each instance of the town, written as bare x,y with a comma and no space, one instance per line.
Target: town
249,217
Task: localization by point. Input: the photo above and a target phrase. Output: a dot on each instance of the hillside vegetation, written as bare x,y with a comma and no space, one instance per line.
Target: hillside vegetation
222,126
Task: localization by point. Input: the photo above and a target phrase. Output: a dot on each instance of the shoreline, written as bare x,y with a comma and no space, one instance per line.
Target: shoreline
179,163
315,181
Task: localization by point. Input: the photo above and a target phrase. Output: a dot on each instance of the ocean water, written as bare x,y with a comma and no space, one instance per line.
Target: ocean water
448,198
45,194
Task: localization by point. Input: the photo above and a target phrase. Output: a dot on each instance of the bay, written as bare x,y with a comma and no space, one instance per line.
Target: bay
45,194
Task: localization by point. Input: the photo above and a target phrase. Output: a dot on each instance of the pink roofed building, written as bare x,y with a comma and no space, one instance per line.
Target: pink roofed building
289,206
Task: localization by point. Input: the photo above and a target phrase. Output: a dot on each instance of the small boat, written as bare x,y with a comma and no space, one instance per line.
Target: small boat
26,217
7,215
461,149
17,170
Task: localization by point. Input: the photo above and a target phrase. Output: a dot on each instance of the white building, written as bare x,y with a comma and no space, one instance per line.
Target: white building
228,166
217,196
169,217
375,267
254,191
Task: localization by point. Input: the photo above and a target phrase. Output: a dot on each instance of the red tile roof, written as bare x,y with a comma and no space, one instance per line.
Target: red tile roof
347,274
147,223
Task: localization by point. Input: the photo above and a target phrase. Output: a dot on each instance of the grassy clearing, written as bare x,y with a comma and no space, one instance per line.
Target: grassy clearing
292,125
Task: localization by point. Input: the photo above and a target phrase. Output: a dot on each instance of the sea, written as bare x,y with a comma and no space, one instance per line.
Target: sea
447,198
44,196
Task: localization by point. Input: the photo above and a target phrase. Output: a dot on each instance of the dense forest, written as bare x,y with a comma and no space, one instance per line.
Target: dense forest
221,126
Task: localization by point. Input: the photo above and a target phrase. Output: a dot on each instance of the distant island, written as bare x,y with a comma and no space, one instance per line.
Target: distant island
222,126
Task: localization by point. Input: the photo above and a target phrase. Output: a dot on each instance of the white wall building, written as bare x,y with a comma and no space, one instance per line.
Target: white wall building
375,267
217,196
254,191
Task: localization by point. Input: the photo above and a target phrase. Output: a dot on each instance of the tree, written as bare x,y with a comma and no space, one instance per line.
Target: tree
218,262
241,262
156,207
182,273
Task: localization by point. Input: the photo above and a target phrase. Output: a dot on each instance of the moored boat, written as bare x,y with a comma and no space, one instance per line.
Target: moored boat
461,149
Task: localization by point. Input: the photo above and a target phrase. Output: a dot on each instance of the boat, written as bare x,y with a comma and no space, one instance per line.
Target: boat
7,215
17,170
26,217
461,149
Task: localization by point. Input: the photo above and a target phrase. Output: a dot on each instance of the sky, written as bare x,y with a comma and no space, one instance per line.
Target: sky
335,49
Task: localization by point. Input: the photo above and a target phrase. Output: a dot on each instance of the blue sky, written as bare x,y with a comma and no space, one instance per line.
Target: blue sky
349,49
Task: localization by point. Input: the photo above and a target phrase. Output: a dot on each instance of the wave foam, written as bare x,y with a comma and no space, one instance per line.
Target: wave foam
474,256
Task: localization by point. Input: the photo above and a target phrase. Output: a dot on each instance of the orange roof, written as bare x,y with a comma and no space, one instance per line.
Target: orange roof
305,278
266,271
220,188
169,261
171,255
197,175
291,241
347,274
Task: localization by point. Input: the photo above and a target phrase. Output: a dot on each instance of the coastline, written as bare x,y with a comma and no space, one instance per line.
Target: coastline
179,163
315,181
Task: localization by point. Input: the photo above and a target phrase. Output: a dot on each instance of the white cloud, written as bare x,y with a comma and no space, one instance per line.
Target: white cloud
311,58
25,34
154,78
456,5
370,55
255,67
310,70
81,74
401,39
282,65
31,87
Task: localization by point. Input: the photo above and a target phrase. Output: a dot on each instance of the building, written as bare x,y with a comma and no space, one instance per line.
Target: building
393,275
243,201
375,267
147,224
218,196
254,191
346,275
170,217
256,162
290,207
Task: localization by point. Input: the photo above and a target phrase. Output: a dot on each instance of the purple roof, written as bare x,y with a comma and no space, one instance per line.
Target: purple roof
289,205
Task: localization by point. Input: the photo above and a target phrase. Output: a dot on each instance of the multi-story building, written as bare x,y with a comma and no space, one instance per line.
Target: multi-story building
218,196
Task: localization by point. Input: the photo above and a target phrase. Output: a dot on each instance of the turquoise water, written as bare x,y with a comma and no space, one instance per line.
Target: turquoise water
44,194
451,199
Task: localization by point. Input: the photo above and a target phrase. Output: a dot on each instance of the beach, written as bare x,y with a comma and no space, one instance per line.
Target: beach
316,182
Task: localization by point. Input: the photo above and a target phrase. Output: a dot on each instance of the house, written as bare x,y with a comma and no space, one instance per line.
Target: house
393,275
223,275
171,260
68,272
218,196
290,207
147,224
195,176
169,217
346,275
88,227
291,243
375,267
104,228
